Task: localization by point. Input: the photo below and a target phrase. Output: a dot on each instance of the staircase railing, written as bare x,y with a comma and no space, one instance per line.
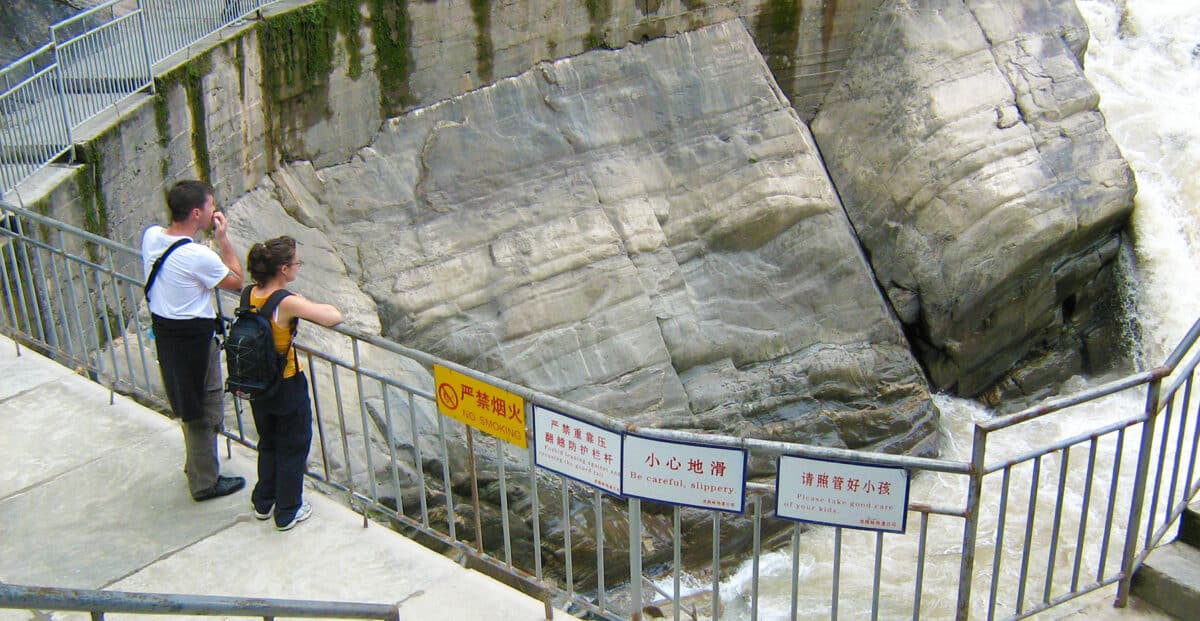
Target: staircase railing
95,60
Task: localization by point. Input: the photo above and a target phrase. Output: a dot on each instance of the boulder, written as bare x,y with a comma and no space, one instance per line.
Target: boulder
971,157
647,232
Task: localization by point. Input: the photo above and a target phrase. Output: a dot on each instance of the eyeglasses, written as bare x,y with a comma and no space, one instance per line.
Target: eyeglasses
296,263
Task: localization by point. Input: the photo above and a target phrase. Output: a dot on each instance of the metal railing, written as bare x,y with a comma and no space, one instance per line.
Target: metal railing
101,602
94,60
989,535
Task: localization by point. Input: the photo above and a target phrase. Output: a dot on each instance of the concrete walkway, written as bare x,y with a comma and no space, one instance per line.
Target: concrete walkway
92,495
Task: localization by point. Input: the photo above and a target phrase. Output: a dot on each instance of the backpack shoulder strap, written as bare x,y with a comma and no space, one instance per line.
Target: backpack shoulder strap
244,302
268,307
158,263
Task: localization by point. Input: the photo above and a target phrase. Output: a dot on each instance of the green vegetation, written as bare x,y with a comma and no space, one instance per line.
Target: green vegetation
89,183
482,11
298,51
393,58
240,60
190,76
599,11
346,17
194,85
162,121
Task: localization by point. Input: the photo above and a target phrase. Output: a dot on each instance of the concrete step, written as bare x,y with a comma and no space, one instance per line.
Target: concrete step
1189,529
1170,580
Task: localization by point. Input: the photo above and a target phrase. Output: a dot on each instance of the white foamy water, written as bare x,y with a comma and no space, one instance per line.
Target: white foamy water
1144,59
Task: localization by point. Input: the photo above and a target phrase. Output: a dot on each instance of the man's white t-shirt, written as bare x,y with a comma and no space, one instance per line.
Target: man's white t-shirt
184,287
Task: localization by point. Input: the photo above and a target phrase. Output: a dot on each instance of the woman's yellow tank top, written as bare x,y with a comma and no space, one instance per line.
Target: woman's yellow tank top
283,337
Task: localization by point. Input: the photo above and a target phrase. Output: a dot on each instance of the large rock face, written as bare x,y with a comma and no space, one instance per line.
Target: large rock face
968,149
647,232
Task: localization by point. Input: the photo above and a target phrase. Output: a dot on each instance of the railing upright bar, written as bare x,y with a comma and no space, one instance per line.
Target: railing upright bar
24,295
835,588
60,80
393,467
145,39
919,582
94,332
362,415
756,534
73,297
1157,476
795,591
971,524
1030,517
68,339
1056,525
533,493
878,574
1081,534
135,294
314,386
567,522
598,504
1191,471
41,297
635,558
1114,484
1178,461
1133,526
505,529
716,565
998,549
9,299
676,559
418,463
450,518
122,327
341,415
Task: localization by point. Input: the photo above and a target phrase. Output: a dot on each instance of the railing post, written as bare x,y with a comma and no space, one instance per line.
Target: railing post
635,558
145,44
1139,493
966,567
62,89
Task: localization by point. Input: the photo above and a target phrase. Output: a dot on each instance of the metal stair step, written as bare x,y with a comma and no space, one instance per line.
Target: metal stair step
1170,580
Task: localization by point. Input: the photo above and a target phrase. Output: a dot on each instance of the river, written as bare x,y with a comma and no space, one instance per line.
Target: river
1144,59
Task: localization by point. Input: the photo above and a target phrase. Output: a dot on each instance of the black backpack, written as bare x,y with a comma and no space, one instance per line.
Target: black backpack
255,368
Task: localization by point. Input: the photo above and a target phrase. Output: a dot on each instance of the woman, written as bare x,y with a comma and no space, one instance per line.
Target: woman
284,418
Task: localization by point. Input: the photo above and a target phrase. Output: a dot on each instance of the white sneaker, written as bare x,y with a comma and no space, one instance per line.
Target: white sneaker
262,516
302,514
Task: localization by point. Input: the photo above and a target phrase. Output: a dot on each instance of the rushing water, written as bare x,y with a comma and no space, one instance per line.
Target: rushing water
1144,59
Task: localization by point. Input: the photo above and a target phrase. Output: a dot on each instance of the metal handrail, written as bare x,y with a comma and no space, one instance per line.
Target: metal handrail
100,602
49,287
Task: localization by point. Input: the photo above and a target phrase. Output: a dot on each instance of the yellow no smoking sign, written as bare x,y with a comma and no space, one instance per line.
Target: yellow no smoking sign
489,409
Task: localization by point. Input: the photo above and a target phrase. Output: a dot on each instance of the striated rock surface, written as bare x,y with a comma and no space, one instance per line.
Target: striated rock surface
647,232
969,152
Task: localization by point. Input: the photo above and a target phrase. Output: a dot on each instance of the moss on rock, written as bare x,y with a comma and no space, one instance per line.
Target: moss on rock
393,59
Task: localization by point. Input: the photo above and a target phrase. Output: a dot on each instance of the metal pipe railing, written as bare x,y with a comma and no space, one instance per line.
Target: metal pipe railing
95,60
101,602
383,444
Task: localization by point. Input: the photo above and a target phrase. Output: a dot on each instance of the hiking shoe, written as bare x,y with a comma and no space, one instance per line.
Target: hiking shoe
303,513
262,515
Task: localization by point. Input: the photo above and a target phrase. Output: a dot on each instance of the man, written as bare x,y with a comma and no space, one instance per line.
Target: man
181,309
